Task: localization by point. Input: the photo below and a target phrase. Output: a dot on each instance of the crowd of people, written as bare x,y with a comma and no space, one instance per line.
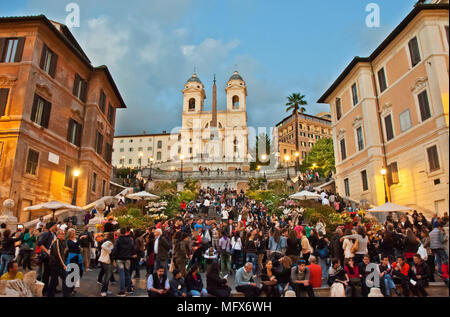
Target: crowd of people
224,242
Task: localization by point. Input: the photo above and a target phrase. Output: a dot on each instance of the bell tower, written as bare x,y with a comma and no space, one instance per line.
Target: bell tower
236,93
193,95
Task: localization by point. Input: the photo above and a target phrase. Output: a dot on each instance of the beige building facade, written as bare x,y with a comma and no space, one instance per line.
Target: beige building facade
310,130
136,151
390,112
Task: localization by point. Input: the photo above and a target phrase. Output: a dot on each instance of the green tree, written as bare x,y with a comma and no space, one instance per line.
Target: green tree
295,104
321,154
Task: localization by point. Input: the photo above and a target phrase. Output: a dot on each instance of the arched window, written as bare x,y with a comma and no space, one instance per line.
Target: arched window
235,145
191,104
235,102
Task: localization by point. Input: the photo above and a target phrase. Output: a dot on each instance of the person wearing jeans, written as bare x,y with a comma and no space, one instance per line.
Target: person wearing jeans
107,265
437,240
386,271
123,252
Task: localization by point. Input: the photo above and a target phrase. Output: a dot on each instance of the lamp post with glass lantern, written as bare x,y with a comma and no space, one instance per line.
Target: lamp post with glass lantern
286,159
181,162
140,160
297,163
76,174
384,172
151,165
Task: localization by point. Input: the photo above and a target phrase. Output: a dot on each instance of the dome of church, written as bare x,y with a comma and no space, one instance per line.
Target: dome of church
194,79
236,76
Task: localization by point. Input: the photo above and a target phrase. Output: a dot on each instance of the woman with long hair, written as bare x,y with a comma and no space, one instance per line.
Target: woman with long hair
412,244
236,251
293,247
362,240
275,243
74,252
216,285
269,281
194,283
283,273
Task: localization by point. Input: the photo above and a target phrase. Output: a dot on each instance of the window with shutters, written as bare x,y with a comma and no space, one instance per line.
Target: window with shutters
74,132
355,94
360,138
424,106
102,101
80,88
4,93
382,80
343,150
388,127
158,156
48,61
414,51
338,109
159,144
347,187
392,174
433,158
94,182
32,162
40,113
103,187
365,184
110,114
108,153
68,178
99,143
11,49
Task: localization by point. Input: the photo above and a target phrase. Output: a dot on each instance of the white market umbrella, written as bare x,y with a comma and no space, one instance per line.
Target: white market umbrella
304,195
390,207
142,196
52,206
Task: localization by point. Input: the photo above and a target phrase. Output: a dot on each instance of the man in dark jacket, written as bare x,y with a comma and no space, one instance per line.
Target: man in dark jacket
86,241
177,285
420,274
161,248
123,252
336,250
57,265
44,242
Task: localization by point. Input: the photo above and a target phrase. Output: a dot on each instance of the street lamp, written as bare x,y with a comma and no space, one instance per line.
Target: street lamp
140,160
151,164
384,172
181,171
76,174
286,159
297,163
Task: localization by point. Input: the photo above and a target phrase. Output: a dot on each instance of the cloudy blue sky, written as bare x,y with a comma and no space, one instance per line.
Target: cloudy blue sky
279,47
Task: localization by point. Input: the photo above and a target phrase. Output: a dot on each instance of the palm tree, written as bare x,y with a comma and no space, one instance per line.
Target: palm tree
296,101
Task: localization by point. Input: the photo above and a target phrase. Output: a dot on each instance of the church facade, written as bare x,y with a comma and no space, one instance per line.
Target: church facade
216,138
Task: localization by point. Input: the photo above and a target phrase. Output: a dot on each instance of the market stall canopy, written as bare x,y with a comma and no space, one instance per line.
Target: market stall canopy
52,206
304,195
390,207
142,195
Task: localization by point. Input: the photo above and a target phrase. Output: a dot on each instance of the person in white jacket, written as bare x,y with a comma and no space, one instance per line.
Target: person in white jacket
106,262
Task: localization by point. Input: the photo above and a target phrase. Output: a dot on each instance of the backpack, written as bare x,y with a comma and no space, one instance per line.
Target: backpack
323,253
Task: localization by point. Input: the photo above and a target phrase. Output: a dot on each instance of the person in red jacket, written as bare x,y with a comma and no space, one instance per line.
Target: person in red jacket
353,275
315,273
401,274
183,206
